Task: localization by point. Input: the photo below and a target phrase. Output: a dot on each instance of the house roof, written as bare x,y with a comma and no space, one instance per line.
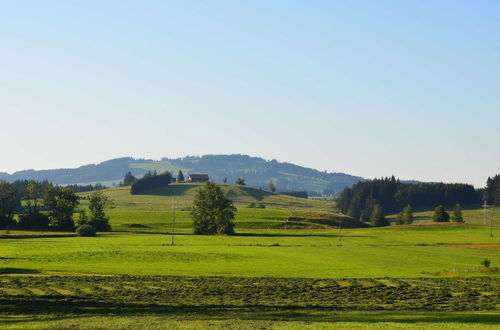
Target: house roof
198,176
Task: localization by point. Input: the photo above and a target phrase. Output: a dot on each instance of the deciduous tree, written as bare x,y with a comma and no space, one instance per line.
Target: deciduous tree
212,211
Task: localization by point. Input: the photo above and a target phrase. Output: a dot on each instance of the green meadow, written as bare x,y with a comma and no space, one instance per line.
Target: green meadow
288,266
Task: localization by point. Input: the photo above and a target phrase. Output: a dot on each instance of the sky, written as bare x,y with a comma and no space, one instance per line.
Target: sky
369,88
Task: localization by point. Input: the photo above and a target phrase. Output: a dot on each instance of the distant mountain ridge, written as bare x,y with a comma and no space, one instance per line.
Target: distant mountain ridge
256,171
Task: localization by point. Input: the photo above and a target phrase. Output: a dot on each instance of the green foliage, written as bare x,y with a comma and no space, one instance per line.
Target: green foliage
405,217
271,187
128,179
60,203
240,182
492,190
440,214
98,218
180,177
31,195
33,221
86,231
9,203
486,263
456,215
392,195
212,211
377,218
150,181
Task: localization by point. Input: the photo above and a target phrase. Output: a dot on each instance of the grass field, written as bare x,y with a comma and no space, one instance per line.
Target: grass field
372,252
269,275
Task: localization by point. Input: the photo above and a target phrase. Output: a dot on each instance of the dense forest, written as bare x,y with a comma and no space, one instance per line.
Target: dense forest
492,190
392,195
150,181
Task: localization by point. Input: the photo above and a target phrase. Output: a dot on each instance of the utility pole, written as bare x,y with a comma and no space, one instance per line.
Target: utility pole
491,220
173,218
340,230
484,218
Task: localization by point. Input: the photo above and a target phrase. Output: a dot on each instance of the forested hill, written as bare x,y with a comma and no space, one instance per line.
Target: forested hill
256,171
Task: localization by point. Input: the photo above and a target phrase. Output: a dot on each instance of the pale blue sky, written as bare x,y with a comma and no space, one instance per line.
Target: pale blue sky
371,88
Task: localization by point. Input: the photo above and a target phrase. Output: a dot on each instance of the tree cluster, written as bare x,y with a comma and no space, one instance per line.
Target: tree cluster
392,195
48,207
150,181
405,217
128,179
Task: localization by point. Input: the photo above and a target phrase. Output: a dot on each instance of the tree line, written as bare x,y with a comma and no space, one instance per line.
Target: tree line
492,190
44,206
392,195
149,181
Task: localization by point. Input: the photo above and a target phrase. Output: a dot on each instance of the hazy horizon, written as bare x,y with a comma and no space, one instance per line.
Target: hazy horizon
366,88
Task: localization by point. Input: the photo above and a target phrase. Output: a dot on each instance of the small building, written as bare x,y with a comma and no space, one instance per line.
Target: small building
197,178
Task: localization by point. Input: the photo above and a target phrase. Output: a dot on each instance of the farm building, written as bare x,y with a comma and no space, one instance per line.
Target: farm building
197,178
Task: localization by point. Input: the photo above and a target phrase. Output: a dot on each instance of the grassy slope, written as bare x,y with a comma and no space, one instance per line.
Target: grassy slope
161,198
152,212
472,215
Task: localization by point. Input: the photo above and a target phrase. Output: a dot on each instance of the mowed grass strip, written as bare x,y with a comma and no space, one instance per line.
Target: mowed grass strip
152,294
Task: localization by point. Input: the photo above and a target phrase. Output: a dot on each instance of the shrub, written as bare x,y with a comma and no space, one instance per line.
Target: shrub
440,214
486,263
85,231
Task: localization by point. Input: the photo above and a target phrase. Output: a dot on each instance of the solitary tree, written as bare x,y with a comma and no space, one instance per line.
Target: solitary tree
212,211
457,216
180,176
440,214
98,218
240,182
271,186
378,218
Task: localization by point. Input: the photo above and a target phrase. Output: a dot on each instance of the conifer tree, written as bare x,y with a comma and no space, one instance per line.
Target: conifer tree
457,216
378,218
180,176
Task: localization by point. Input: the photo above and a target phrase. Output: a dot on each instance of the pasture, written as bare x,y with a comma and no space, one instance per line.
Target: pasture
269,275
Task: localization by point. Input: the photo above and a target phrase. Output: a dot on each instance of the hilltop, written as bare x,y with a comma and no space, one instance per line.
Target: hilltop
257,209
256,171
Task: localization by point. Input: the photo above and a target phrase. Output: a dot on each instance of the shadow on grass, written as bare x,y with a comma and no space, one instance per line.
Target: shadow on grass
297,235
18,271
60,308
171,190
